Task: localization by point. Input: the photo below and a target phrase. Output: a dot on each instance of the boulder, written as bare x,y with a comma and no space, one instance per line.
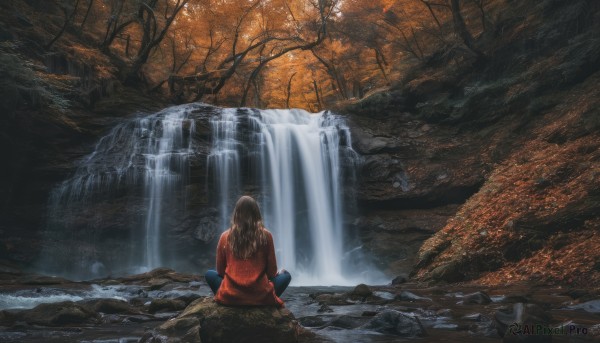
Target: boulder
479,298
400,279
58,314
396,323
111,306
165,304
409,296
360,292
208,322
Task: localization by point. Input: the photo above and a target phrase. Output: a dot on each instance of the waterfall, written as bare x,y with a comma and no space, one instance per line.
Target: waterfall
136,169
166,157
296,157
224,160
158,189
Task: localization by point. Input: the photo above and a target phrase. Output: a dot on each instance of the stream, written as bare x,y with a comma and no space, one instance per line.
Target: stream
126,308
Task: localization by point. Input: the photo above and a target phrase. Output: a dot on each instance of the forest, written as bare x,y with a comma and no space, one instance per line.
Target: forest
429,169
265,54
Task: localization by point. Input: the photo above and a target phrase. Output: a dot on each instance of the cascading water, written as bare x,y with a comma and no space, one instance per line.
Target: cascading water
299,146
137,168
296,160
157,190
224,160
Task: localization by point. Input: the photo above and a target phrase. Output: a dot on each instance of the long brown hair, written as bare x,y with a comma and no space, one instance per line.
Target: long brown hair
247,233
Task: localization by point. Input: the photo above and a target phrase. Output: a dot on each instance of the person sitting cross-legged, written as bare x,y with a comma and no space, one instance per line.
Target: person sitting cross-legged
246,266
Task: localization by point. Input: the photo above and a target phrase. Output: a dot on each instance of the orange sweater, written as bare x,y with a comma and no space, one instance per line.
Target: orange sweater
246,282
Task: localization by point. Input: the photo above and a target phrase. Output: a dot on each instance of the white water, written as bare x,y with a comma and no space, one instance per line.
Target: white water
128,196
296,155
166,162
147,157
224,160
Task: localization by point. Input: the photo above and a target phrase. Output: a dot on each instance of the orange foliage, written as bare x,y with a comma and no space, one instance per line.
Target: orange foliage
359,46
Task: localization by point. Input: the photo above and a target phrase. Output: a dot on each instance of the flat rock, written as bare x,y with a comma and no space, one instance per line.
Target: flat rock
208,322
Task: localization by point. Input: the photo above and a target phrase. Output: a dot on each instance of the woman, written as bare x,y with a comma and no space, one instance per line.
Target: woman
246,266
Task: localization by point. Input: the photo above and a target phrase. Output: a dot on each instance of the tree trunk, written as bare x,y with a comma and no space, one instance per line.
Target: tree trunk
289,91
68,20
461,28
319,106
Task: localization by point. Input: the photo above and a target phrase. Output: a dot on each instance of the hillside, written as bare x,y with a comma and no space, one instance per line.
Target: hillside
516,137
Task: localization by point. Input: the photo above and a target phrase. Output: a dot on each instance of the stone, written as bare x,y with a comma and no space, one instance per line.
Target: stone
324,308
208,322
592,306
58,314
332,299
312,321
361,291
112,306
477,298
346,322
474,317
409,296
396,323
155,284
400,279
164,304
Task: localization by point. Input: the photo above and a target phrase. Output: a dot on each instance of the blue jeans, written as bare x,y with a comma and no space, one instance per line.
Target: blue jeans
280,281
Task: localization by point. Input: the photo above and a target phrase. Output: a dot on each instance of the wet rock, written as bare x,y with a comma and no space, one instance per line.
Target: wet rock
183,330
206,321
188,298
58,314
111,306
396,323
409,296
311,321
369,313
479,298
475,317
325,308
332,299
445,312
360,292
592,306
34,279
400,279
156,284
346,322
158,276
164,304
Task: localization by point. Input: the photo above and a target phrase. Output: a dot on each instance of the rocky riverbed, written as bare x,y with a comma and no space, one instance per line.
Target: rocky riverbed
38,308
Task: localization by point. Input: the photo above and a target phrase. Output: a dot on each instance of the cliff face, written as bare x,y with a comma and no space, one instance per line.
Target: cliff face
513,138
